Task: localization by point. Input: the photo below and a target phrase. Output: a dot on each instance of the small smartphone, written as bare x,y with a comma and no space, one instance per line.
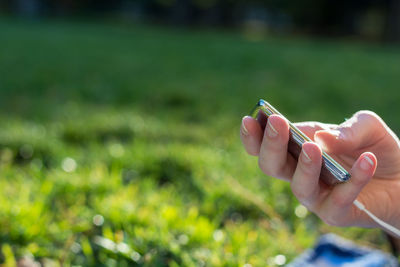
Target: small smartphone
331,172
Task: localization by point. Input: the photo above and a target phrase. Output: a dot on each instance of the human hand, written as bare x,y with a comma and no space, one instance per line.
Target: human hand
357,144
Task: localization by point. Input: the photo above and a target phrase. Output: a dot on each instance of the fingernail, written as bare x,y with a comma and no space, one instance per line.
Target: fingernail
271,131
244,129
366,163
306,157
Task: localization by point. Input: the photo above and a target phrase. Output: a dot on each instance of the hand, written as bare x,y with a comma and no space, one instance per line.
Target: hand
358,145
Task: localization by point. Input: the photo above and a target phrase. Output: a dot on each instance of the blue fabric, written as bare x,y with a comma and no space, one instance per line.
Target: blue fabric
334,251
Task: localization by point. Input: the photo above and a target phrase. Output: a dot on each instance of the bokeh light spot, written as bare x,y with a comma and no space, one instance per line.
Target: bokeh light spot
183,239
280,259
98,220
218,235
301,211
69,165
116,150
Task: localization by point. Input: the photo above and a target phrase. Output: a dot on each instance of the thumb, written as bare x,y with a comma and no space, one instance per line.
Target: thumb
363,129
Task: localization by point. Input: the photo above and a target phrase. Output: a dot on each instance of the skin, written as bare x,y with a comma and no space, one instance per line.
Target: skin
358,145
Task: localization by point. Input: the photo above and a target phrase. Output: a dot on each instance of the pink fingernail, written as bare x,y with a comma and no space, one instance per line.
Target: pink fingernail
366,163
271,131
244,129
306,157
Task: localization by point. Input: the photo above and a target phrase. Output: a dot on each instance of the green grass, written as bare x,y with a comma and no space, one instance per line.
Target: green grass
119,143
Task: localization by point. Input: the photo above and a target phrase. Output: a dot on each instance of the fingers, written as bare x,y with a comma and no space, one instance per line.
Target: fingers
340,200
251,135
305,182
362,129
274,159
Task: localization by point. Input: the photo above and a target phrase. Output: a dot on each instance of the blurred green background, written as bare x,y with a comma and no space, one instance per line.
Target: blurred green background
119,142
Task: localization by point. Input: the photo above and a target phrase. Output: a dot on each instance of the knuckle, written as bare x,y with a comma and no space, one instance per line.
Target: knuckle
367,115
